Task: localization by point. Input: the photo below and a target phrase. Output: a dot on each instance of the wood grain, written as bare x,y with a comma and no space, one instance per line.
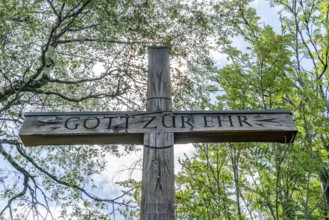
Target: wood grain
129,127
158,187
158,129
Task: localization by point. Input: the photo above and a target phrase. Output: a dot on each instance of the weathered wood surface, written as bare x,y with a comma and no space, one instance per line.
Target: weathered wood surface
158,183
158,129
129,127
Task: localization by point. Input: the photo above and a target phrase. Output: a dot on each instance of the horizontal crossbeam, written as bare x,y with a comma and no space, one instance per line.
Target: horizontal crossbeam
129,127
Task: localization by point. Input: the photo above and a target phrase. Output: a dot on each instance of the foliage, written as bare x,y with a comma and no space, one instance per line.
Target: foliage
275,69
89,55
86,55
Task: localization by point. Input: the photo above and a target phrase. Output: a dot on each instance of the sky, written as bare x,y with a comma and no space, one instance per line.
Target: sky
268,16
105,181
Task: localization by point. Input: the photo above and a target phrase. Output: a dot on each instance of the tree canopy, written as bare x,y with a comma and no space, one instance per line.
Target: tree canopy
86,55
89,55
285,68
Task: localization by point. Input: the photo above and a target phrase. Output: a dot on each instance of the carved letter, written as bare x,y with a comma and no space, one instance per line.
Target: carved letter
76,123
231,122
127,118
164,121
244,121
110,121
149,122
91,126
219,121
206,125
187,120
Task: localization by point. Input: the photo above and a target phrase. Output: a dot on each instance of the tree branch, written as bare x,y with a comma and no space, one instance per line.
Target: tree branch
100,95
55,179
82,80
11,160
83,40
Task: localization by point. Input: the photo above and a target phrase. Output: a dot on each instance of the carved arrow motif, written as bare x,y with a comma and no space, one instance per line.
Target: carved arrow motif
50,123
268,120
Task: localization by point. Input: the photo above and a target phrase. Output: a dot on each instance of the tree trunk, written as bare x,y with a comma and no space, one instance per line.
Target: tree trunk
324,177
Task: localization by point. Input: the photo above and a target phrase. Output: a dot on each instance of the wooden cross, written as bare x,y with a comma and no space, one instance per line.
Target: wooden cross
158,129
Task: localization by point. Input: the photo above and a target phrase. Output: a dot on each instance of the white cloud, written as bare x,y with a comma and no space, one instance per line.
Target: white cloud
219,58
179,152
129,166
268,13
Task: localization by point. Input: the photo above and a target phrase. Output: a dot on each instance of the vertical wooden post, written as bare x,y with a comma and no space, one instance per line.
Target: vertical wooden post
158,189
